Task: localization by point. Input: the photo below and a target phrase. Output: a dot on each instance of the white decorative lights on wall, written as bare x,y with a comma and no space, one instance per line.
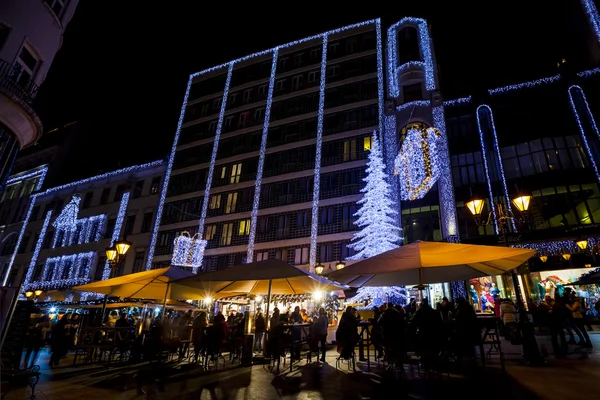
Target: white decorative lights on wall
576,95
418,164
188,251
117,230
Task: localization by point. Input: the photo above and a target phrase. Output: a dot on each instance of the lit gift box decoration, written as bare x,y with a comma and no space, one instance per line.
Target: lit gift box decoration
418,164
188,251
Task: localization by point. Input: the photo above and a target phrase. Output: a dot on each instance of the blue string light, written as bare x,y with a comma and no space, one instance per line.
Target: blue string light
75,276
314,226
576,90
188,251
67,219
261,160
592,16
38,247
117,230
38,172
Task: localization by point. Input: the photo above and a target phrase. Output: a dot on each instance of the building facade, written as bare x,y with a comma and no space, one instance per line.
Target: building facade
30,35
66,229
270,152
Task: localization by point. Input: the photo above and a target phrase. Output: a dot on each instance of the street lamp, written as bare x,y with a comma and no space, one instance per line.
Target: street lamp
319,269
583,244
115,253
340,265
33,294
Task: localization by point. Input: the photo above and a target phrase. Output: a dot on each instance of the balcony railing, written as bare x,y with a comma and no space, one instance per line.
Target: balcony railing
25,89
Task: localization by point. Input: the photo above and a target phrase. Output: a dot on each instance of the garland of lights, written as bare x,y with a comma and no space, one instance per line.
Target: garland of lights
314,223
377,296
116,231
261,160
576,90
376,216
188,251
40,171
380,81
558,247
390,146
38,247
418,162
55,267
592,16
445,183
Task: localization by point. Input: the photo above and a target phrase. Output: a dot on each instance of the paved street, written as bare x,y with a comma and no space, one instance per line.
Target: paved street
560,379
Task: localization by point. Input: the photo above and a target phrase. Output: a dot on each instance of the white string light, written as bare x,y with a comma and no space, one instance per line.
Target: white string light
592,16
576,90
188,251
67,219
38,247
117,230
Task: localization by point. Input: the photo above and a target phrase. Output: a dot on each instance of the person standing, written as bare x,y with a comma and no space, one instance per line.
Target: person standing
259,330
321,331
576,310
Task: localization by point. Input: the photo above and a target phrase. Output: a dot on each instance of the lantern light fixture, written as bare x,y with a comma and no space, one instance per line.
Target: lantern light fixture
566,256
582,244
544,258
340,265
319,269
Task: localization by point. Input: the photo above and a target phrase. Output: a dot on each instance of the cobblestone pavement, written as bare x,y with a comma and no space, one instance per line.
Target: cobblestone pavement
559,379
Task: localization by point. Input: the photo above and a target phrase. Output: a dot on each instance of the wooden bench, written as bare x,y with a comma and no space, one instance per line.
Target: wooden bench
12,376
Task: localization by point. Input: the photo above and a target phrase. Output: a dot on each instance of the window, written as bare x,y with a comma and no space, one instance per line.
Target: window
244,228
9,245
348,217
259,114
110,227
24,68
244,119
87,200
147,222
467,169
347,251
231,203
349,150
212,126
229,121
326,253
262,90
99,268
119,192
298,59
303,220
281,254
236,172
296,82
137,189
280,84
301,255
326,215
215,202
367,143
263,225
129,223
104,196
210,231
412,92
313,76
333,70
223,172
226,234
155,186
57,6
247,97
138,261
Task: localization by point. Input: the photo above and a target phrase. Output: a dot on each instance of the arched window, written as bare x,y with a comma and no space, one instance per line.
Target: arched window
408,45
8,247
409,126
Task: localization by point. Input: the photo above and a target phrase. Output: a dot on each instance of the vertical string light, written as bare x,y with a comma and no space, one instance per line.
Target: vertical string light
261,159
591,13
314,227
117,230
576,91
38,247
213,157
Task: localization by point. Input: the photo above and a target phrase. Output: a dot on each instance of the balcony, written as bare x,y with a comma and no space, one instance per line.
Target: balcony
24,89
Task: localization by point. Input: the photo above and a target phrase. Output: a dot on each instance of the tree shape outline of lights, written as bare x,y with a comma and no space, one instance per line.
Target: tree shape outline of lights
591,13
481,130
67,219
314,223
376,216
576,89
116,231
165,186
377,296
188,251
261,160
445,183
213,156
418,162
38,247
424,46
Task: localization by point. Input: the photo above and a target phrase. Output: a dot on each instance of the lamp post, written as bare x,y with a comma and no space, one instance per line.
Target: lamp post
114,256
340,265
319,269
33,295
521,202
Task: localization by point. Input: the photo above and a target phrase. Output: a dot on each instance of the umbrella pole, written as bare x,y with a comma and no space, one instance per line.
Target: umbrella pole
164,309
267,314
103,309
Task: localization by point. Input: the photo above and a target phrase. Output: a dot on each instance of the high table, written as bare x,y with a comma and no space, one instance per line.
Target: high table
298,335
364,337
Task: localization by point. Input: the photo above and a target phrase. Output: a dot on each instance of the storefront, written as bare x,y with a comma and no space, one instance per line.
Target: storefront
551,283
484,292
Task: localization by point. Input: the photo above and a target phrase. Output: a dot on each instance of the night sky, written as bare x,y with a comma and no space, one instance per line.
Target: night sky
122,70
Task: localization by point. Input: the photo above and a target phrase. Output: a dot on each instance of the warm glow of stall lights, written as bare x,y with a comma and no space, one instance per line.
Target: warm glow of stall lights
582,244
522,202
475,206
566,256
544,258
317,295
258,298
588,265
207,300
28,293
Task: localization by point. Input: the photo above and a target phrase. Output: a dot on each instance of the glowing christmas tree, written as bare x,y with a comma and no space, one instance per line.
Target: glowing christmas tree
376,217
376,296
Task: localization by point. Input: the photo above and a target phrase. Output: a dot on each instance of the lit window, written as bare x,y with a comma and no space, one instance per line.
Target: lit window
210,231
215,202
236,172
244,227
231,202
367,142
226,234
223,172
349,150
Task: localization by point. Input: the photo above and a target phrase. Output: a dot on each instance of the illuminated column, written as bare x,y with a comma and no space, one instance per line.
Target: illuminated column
584,118
314,227
261,160
487,132
36,252
165,186
445,184
591,12
19,239
117,230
